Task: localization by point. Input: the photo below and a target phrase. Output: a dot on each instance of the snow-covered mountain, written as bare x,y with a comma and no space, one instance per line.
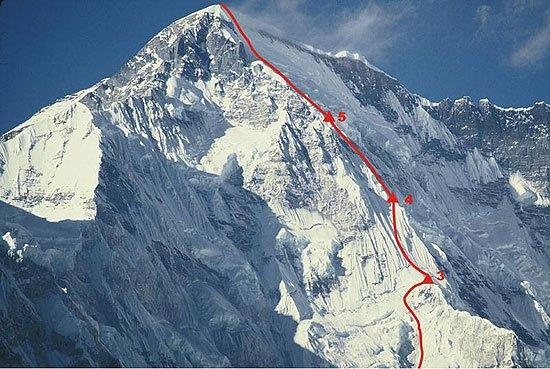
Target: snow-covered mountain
193,210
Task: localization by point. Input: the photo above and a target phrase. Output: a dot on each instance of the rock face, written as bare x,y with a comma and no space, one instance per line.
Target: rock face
192,210
518,138
232,171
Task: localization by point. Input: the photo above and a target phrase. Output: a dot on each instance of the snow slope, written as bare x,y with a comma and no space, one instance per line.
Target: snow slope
50,163
208,217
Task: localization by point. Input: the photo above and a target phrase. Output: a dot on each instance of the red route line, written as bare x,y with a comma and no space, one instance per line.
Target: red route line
418,326
401,248
271,66
391,196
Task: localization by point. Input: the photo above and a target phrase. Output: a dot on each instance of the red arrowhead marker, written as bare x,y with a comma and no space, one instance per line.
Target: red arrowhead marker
409,199
428,279
392,198
329,118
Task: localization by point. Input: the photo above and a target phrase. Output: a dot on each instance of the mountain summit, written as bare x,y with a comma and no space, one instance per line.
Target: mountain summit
193,210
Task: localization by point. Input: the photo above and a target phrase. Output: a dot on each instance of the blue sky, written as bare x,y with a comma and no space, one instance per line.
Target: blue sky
437,48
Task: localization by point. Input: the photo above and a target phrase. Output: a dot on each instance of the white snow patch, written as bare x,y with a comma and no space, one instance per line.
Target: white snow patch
13,250
52,163
524,192
10,241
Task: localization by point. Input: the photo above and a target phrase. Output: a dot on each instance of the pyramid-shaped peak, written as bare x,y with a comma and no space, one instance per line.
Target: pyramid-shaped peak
215,10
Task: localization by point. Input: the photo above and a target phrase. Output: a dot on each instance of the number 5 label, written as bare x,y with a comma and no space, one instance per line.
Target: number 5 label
341,116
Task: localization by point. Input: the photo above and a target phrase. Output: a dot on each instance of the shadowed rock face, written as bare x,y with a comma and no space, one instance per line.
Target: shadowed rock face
517,138
226,225
161,277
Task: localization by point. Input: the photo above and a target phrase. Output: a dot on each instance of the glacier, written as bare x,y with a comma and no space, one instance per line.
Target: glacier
193,210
